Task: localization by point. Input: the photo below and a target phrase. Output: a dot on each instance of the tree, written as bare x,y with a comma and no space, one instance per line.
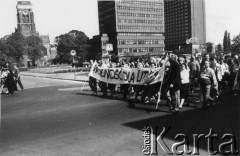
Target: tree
236,44
219,47
209,46
15,45
34,48
74,40
3,47
225,44
228,43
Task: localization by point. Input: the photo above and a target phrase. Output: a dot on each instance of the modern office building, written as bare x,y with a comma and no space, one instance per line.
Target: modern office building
134,27
184,19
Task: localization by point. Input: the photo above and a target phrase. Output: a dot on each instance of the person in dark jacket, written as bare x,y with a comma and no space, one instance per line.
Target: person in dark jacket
173,83
17,77
10,82
92,81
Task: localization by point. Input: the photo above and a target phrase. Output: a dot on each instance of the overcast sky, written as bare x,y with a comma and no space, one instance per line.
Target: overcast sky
55,17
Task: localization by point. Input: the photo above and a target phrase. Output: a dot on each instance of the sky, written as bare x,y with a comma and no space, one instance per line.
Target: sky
56,17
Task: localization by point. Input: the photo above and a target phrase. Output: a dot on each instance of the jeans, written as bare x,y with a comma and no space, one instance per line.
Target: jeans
205,89
93,84
18,81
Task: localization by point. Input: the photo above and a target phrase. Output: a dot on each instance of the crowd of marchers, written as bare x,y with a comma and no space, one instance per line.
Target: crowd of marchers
10,78
184,75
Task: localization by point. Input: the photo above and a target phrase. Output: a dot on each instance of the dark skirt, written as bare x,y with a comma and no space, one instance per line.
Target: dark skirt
10,83
184,91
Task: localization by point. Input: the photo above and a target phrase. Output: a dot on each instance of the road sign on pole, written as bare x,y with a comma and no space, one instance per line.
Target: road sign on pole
109,47
73,52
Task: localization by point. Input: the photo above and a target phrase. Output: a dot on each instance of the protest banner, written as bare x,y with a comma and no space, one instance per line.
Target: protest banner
137,76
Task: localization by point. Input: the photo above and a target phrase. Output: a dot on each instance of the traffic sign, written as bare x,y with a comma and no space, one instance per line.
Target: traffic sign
73,52
109,47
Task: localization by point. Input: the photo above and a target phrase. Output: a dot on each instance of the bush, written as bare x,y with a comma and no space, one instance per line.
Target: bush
23,69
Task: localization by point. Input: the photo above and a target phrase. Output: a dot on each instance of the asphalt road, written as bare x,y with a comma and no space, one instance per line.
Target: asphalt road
53,118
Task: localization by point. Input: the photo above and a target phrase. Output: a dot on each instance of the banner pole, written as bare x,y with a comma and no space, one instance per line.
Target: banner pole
88,74
160,89
83,85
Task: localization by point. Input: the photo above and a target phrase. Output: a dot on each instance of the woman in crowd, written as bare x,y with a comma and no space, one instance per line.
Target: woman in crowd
3,77
185,74
10,81
236,86
217,70
231,65
225,74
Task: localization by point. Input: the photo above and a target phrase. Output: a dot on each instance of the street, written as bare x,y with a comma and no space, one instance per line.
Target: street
52,117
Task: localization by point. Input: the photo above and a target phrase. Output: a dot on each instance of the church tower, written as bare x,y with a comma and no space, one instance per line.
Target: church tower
25,18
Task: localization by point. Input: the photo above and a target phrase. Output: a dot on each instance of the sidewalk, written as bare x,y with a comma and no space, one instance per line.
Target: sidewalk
79,76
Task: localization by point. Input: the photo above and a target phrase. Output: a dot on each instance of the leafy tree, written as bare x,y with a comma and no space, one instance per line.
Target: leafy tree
226,42
74,40
34,47
15,45
219,47
209,46
3,47
236,44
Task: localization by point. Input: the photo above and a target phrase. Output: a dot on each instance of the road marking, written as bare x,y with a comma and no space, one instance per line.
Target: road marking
73,89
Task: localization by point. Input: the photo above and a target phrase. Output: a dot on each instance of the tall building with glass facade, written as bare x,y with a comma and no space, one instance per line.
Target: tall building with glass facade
134,27
184,19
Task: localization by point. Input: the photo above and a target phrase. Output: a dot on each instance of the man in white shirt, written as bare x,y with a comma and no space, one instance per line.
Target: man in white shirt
225,73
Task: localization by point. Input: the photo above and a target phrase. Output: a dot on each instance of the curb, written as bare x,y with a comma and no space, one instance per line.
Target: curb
55,78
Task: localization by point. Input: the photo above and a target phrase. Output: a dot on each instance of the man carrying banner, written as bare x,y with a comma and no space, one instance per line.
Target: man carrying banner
124,87
102,84
172,84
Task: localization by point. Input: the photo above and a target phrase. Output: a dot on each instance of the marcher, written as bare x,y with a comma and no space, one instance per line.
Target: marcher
17,77
217,70
236,85
225,74
207,81
194,72
173,83
111,87
185,72
92,81
10,82
101,84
